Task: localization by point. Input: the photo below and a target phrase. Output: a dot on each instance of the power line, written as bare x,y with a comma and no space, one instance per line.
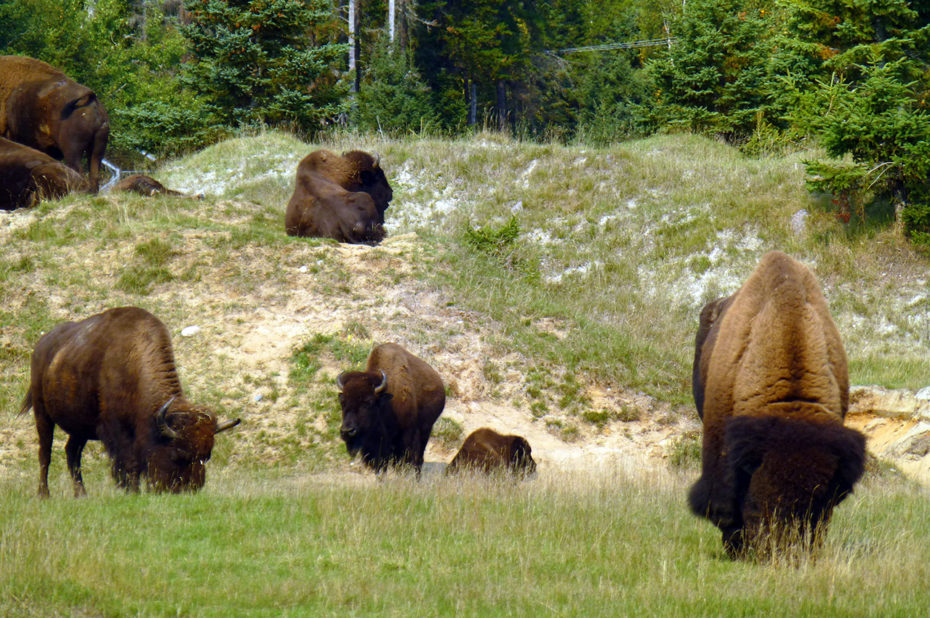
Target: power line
608,46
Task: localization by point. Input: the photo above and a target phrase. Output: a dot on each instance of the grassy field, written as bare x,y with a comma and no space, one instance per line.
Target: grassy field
533,274
598,544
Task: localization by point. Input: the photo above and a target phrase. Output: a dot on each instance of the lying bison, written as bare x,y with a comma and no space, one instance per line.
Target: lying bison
771,386
389,409
143,185
340,197
487,451
28,176
112,378
45,109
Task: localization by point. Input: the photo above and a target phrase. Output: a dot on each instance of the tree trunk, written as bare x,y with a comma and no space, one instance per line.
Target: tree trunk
472,98
391,21
353,51
501,105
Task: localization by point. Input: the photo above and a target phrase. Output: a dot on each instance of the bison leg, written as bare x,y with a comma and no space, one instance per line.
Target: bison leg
73,449
46,430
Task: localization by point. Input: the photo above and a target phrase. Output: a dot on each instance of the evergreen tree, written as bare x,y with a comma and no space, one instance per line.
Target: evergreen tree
267,61
393,97
714,78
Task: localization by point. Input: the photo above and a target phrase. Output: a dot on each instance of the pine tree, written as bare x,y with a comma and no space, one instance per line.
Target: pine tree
714,79
267,61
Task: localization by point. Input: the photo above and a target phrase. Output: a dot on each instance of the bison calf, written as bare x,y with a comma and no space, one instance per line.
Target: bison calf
772,389
112,378
487,451
389,409
339,197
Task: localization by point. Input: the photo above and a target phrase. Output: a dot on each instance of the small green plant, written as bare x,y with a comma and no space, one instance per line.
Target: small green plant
685,452
493,240
448,433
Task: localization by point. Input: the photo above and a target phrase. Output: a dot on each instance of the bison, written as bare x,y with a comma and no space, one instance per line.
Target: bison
112,378
28,176
487,451
45,109
389,409
143,185
772,389
339,197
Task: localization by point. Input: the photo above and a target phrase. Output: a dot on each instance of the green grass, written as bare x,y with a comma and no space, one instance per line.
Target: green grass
258,544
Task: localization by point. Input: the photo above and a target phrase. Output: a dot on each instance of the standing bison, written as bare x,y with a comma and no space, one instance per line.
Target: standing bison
389,409
487,451
44,109
771,386
112,378
340,197
28,176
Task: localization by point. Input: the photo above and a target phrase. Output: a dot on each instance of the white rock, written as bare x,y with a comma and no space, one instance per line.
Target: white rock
190,331
799,221
303,269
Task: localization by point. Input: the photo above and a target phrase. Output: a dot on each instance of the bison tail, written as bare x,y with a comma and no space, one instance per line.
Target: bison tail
27,403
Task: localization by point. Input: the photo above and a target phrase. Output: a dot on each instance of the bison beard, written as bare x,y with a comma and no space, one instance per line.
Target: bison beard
771,386
112,378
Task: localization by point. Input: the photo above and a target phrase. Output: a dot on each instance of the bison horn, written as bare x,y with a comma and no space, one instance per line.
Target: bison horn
162,422
339,381
383,384
377,161
227,425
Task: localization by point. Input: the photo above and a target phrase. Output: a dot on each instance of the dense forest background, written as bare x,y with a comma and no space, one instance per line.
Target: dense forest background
851,77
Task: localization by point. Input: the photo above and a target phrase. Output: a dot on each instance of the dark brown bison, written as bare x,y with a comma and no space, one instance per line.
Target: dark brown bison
44,109
771,386
389,409
340,197
145,186
28,176
487,451
112,378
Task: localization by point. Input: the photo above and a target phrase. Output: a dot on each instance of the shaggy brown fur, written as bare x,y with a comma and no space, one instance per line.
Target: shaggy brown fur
340,197
28,176
112,378
44,109
389,409
771,385
487,451
145,186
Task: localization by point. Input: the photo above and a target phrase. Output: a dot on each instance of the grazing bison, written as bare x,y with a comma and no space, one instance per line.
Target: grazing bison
771,386
340,197
389,409
112,378
44,109
145,186
28,176
488,451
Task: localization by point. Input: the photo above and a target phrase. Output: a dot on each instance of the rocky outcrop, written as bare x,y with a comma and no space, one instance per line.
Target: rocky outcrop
896,424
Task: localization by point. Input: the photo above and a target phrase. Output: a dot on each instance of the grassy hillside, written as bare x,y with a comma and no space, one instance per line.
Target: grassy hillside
560,283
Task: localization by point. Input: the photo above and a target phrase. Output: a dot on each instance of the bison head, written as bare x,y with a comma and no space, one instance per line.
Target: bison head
787,475
521,458
368,425
183,445
371,179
